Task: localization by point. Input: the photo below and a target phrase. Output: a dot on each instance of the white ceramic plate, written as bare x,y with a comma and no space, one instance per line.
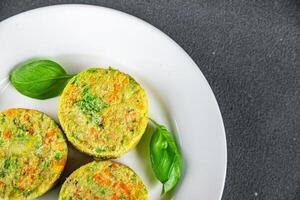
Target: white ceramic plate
81,36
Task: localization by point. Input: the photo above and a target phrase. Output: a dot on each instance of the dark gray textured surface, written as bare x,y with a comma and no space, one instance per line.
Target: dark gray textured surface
249,53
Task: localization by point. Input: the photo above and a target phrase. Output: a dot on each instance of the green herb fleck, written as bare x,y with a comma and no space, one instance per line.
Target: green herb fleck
8,163
85,90
20,133
58,136
123,197
99,150
26,193
37,146
73,80
102,191
90,180
67,198
91,105
92,70
2,118
2,174
16,190
44,164
57,155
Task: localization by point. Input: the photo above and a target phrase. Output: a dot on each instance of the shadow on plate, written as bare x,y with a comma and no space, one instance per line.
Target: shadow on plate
143,152
75,160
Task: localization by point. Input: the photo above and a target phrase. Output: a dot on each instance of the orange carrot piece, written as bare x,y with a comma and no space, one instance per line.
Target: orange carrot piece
10,112
116,87
30,131
115,197
50,135
101,181
2,184
61,162
114,166
6,134
126,190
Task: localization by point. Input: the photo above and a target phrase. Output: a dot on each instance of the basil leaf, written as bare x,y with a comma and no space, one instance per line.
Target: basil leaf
175,175
165,158
39,79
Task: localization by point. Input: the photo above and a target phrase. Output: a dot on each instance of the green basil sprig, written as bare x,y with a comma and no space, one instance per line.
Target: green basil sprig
39,79
165,158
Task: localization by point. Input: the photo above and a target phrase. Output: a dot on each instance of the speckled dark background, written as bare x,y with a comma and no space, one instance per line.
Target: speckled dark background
249,52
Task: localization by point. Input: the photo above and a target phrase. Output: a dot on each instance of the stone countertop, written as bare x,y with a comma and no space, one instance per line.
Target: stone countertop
249,53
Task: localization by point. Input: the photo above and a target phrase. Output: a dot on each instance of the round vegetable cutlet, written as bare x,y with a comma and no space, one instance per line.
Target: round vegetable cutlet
104,180
33,153
103,112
